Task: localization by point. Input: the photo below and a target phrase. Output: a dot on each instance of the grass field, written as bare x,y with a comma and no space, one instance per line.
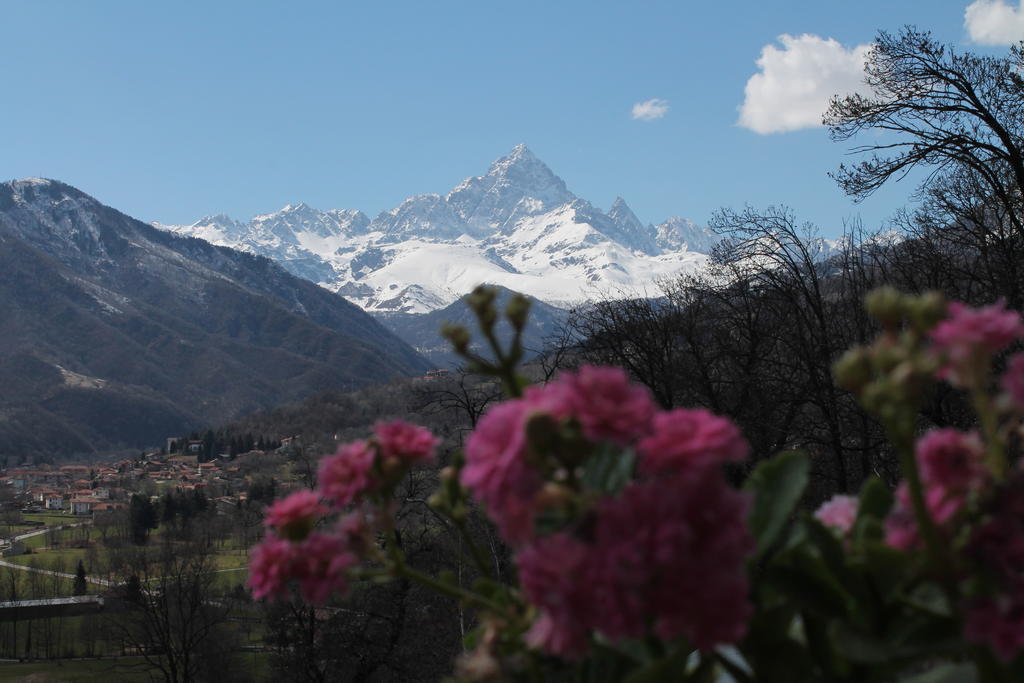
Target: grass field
108,670
77,671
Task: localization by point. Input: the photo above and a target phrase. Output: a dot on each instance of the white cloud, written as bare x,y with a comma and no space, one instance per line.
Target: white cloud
796,82
993,22
649,110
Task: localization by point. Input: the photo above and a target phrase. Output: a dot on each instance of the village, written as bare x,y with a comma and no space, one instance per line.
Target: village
52,497
106,486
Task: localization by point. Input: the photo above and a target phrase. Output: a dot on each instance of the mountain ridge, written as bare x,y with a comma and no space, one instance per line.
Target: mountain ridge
516,226
115,334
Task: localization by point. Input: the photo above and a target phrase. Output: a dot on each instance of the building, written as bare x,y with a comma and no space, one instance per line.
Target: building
83,506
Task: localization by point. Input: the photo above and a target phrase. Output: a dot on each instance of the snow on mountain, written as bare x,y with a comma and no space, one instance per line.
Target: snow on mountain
515,186
679,233
517,226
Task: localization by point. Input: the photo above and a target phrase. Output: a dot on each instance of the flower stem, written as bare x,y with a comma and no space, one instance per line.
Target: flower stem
988,416
938,553
399,568
456,592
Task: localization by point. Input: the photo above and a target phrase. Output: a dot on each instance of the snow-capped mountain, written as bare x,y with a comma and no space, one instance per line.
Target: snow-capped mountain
517,226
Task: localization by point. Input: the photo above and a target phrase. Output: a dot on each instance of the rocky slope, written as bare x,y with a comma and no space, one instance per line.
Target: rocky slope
115,334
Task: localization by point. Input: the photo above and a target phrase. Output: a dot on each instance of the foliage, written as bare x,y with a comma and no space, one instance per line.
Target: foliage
80,587
142,518
637,562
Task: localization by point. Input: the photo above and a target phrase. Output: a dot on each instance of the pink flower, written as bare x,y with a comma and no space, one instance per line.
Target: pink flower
294,516
497,473
669,553
951,459
942,505
969,335
673,550
404,441
997,546
320,565
1013,379
607,405
998,621
357,531
951,465
497,470
553,572
839,512
269,568
345,476
690,439
562,638
900,525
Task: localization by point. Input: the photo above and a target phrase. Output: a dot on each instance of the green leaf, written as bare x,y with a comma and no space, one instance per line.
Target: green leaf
489,588
803,576
777,485
611,663
860,647
670,668
946,673
822,538
832,553
875,500
887,568
609,469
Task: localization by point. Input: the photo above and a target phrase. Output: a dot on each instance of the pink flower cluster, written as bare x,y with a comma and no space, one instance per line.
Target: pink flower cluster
953,471
294,516
969,335
691,439
998,547
318,564
666,553
607,405
499,470
1013,380
345,476
408,443
319,561
839,512
348,474
951,466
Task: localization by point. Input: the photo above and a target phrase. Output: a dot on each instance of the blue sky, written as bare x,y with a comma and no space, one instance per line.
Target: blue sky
170,111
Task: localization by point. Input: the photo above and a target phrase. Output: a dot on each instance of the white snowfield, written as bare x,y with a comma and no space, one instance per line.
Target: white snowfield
517,226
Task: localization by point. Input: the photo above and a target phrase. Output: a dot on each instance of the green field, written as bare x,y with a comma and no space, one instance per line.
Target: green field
77,671
109,670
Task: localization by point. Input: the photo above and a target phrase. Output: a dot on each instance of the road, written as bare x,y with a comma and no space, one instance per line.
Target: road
40,532
49,572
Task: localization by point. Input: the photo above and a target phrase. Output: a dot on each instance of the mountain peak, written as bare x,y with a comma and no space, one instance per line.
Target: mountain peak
220,218
32,181
44,186
521,151
620,211
39,193
521,158
518,184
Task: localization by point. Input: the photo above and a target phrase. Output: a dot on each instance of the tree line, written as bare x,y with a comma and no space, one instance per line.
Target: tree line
755,336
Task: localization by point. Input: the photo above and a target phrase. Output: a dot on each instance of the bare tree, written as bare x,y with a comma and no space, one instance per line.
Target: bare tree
173,612
960,119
